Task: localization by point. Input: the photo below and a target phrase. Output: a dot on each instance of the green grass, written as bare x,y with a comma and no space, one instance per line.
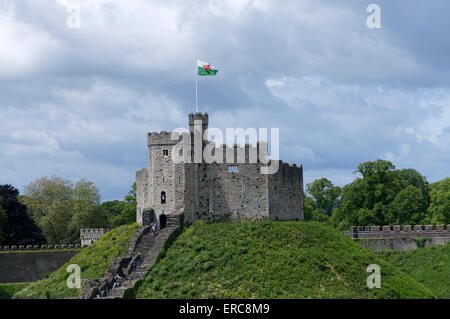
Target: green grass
271,260
93,261
8,290
429,266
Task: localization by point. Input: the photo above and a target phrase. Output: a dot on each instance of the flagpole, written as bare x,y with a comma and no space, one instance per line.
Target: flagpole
196,90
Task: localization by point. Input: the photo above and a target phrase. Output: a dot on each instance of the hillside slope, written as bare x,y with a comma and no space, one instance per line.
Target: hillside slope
8,290
271,260
93,261
429,266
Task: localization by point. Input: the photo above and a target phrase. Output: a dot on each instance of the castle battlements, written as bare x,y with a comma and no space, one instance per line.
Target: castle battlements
398,231
288,166
227,180
89,235
399,237
39,247
162,137
204,117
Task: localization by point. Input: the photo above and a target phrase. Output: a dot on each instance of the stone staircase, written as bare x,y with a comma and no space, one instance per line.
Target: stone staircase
149,247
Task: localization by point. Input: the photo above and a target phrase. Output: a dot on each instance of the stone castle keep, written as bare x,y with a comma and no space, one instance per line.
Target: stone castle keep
223,189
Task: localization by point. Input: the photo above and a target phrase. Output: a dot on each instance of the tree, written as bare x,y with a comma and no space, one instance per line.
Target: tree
354,208
383,195
56,222
325,194
87,212
62,209
3,220
122,212
408,207
43,193
412,177
18,228
439,209
311,212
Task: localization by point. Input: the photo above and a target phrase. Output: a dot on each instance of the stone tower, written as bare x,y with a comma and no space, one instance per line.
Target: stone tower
161,186
234,187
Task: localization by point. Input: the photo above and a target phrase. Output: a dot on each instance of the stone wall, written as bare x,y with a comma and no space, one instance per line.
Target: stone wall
142,193
191,192
241,195
209,190
400,237
89,235
38,247
213,191
162,175
286,193
31,266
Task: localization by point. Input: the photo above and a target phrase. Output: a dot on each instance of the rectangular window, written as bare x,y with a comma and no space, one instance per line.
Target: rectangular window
166,152
233,169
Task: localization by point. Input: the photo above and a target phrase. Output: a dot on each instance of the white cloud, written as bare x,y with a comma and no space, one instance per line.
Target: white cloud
24,50
79,102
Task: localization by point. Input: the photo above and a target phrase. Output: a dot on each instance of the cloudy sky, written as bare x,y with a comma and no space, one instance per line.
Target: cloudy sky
77,97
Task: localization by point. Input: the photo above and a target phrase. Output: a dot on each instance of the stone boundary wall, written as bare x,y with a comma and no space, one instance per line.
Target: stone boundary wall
397,231
400,237
31,266
39,247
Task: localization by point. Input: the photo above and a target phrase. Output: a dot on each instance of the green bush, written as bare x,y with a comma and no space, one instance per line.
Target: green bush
129,293
429,266
420,241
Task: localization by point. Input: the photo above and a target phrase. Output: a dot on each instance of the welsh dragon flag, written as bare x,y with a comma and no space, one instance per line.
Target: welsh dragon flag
204,68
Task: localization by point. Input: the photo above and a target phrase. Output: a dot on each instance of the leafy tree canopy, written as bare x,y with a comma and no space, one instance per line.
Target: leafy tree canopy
325,194
383,196
61,208
439,208
3,220
122,212
311,212
17,228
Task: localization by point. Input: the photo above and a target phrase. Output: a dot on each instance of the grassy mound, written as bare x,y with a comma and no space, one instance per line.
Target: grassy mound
429,266
271,260
93,261
8,290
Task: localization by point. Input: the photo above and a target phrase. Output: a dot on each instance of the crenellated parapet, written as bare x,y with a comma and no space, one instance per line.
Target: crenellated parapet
236,153
189,172
287,167
198,122
399,231
163,137
39,247
88,236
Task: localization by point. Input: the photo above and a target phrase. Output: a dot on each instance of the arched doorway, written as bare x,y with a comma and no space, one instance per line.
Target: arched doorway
162,221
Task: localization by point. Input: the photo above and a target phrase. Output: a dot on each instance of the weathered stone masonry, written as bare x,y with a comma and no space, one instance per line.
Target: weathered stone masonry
23,266
400,237
215,190
89,235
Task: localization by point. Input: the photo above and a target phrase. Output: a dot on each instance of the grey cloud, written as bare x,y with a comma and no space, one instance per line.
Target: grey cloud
348,94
